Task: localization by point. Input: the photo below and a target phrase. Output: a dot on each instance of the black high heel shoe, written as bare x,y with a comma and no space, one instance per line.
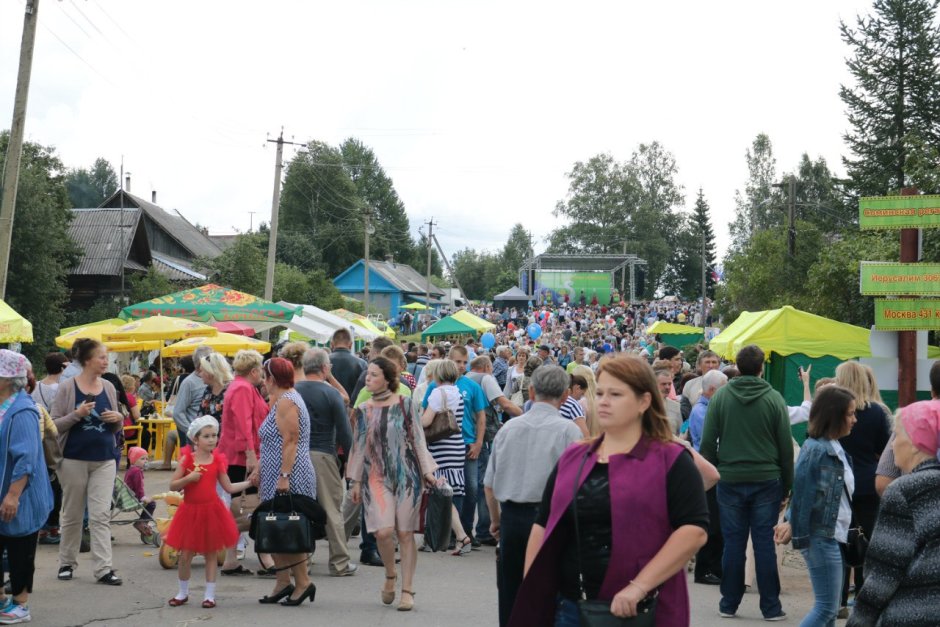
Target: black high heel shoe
274,598
309,593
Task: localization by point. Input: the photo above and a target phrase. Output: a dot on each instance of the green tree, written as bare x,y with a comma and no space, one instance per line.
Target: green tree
90,188
41,252
241,266
756,206
820,199
684,272
894,106
152,284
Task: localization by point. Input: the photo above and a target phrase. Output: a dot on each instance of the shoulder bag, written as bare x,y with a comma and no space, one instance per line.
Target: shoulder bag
444,423
436,502
281,532
596,613
856,547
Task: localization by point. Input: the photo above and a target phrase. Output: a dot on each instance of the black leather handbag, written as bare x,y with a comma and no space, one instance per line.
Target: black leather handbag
281,531
857,545
596,613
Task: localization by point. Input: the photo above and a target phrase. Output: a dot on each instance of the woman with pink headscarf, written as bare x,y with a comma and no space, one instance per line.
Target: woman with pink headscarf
902,568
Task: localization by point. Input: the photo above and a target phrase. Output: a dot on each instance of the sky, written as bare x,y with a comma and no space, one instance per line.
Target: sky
477,110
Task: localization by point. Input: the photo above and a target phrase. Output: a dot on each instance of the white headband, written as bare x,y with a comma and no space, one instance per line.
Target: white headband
199,423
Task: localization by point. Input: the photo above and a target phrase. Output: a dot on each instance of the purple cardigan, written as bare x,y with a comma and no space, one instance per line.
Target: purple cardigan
638,511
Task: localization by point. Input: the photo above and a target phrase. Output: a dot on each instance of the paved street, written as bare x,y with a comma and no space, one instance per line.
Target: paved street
451,591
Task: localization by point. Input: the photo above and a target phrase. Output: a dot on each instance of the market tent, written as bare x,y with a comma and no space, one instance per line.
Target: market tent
721,343
513,297
319,325
448,326
214,303
13,326
471,320
361,321
416,306
226,343
677,335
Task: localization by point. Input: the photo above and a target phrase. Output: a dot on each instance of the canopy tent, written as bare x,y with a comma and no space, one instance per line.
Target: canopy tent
513,297
473,321
361,321
721,343
448,326
319,325
13,326
226,343
677,335
214,303
416,306
96,331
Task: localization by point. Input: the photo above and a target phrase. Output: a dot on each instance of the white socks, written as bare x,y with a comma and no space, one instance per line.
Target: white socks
184,590
210,591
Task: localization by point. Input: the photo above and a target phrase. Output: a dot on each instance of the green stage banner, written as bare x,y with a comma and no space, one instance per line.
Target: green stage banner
900,279
907,314
899,212
573,283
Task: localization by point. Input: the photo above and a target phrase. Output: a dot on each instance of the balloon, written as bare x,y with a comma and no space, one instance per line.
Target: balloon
488,340
534,331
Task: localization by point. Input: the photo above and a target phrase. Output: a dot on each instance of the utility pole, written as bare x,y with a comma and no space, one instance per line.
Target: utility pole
11,167
275,210
251,220
450,270
791,218
367,218
703,277
427,287
623,272
122,229
907,340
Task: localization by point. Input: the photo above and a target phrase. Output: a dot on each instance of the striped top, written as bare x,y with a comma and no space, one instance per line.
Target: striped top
449,453
571,409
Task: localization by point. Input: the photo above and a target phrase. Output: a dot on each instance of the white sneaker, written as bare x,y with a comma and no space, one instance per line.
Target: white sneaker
15,614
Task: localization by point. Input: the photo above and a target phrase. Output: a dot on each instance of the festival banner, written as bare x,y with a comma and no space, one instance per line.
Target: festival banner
899,212
878,278
907,314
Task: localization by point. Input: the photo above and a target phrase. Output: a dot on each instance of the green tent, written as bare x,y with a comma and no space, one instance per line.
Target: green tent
447,326
677,335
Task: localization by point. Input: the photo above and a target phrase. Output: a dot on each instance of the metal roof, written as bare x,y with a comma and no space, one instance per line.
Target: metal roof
175,269
404,277
177,227
582,262
107,236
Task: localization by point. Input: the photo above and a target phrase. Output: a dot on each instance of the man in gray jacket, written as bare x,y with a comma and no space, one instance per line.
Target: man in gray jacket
189,397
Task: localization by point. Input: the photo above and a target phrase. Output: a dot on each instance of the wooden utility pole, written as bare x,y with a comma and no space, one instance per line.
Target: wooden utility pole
791,217
275,210
11,165
427,287
453,275
367,218
907,340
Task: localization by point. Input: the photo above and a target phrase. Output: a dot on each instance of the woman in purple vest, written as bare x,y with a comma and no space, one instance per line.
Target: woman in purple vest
641,513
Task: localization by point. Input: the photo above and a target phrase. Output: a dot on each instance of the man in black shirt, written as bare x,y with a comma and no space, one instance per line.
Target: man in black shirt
346,367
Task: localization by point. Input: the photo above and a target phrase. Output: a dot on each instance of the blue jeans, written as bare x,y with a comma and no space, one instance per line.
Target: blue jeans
483,514
567,613
468,508
824,562
749,508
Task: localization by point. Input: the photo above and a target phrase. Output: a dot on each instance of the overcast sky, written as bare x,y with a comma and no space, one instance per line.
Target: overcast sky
475,109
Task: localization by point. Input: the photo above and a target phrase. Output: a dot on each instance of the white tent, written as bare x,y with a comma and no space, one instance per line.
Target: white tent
319,325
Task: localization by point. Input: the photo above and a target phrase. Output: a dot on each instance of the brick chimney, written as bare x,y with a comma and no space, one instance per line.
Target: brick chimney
153,196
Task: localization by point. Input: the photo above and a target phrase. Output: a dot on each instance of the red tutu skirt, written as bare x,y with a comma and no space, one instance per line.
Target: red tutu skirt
204,527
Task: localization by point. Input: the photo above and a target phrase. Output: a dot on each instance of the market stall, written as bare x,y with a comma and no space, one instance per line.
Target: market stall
13,326
677,335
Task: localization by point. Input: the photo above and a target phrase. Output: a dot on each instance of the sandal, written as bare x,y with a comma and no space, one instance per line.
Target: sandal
208,604
174,602
389,595
238,570
463,547
406,606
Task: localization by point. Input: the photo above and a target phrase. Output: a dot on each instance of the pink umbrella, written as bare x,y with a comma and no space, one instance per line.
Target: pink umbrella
235,328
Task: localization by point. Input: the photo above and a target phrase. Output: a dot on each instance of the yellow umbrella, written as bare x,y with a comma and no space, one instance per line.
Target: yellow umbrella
97,331
13,326
416,306
226,343
160,328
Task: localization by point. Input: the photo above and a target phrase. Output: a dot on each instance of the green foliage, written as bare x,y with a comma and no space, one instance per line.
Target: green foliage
611,206
894,107
756,208
241,265
102,309
41,251
482,275
89,188
151,285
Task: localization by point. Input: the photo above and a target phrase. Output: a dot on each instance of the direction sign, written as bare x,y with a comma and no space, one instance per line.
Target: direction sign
907,314
899,212
881,278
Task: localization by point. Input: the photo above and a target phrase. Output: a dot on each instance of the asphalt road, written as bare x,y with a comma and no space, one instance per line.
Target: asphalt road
451,591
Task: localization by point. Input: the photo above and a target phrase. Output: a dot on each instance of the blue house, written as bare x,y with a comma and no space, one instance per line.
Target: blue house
391,286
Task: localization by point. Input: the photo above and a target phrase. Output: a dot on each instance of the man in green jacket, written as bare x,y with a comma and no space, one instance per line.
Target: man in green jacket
747,436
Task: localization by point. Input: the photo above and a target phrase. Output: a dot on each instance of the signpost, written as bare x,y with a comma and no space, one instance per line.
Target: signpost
899,212
899,279
907,314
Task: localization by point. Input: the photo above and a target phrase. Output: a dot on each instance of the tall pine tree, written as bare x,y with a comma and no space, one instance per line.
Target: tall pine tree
894,107
702,222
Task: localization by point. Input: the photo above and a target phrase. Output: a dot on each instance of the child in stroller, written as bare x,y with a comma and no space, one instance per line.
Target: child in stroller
134,479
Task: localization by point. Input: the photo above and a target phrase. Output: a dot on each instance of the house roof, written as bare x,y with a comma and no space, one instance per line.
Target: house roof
175,269
404,277
107,236
177,227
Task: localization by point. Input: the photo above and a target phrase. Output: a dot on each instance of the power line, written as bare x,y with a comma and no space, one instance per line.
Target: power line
78,56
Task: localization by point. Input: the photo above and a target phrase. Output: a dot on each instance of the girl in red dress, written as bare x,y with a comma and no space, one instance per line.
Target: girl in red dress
203,524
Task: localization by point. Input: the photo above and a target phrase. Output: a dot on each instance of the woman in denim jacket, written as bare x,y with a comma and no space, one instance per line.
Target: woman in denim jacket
821,507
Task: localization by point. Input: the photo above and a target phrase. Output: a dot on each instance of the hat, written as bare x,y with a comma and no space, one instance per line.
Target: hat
199,423
134,453
544,347
921,422
12,365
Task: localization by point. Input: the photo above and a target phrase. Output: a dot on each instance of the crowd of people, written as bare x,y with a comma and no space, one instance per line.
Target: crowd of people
600,462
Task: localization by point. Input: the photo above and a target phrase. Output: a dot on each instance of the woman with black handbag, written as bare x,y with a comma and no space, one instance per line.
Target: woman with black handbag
285,467
388,466
620,518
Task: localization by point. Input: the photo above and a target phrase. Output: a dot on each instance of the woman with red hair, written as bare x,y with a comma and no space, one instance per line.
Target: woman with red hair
285,466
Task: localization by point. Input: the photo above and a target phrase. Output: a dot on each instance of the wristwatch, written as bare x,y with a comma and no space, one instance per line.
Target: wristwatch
284,475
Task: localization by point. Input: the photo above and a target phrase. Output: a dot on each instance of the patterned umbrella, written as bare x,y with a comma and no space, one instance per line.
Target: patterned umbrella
212,303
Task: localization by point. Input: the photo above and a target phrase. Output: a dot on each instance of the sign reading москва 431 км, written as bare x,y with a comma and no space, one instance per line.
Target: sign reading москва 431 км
907,314
884,278
899,212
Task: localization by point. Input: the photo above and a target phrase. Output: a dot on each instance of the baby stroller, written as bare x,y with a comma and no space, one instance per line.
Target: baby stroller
123,502
168,556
